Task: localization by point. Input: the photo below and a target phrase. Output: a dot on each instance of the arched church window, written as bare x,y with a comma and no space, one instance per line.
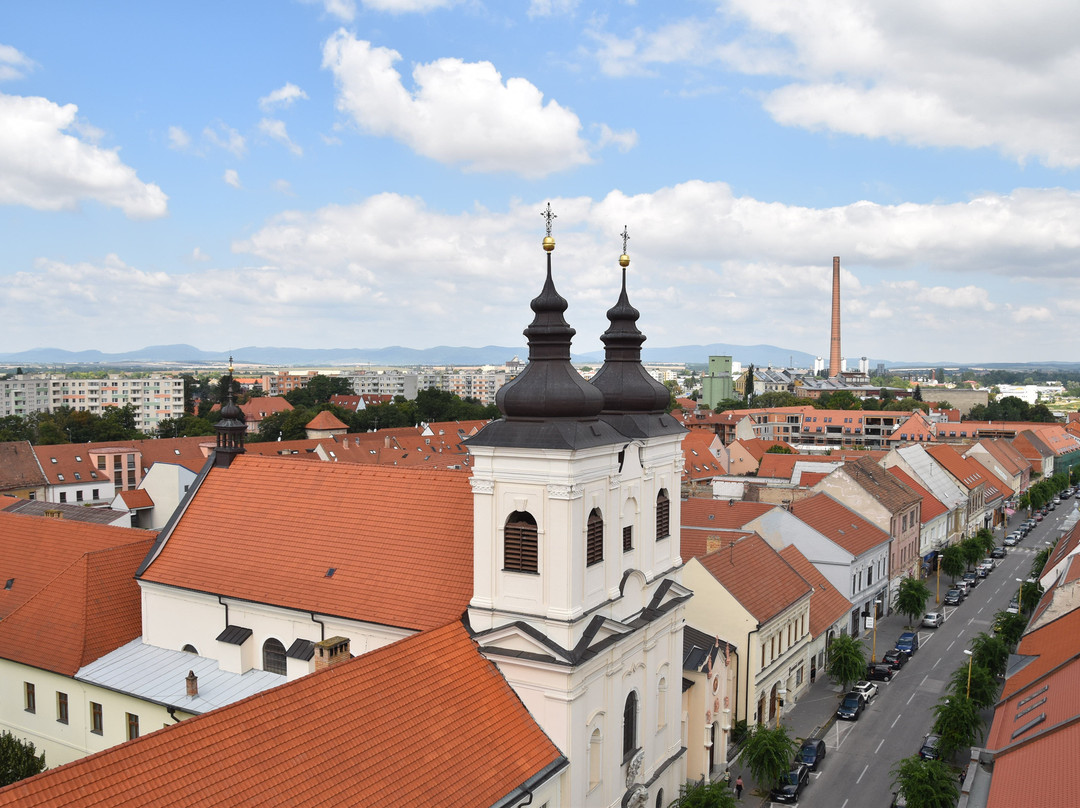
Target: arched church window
594,538
274,657
663,515
596,758
520,542
629,718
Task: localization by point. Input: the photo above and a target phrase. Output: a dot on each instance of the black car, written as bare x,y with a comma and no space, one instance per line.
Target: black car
894,658
998,552
953,597
851,706
811,753
930,746
791,784
879,672
972,578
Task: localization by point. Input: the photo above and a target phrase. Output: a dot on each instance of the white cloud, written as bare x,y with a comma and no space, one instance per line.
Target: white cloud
275,129
623,141
178,138
198,255
549,8
460,112
344,10
14,64
231,177
227,138
1038,314
43,167
408,6
282,97
284,187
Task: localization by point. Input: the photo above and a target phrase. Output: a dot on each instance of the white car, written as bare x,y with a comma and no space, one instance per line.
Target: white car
933,619
865,689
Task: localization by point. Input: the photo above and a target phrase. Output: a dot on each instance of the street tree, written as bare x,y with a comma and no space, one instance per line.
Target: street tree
972,550
911,598
1030,593
958,721
705,794
985,539
1039,562
748,386
18,759
984,686
767,753
952,561
847,661
925,783
990,652
1009,627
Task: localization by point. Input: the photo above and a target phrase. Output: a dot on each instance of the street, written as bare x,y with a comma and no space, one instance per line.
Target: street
856,771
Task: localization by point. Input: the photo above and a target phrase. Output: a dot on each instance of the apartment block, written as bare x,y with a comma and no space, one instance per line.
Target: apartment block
155,398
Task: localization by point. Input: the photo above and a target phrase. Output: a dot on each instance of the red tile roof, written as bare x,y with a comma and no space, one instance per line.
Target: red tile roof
19,466
1048,645
695,542
838,523
756,576
827,605
335,737
699,463
408,565
931,505
721,513
970,474
326,420
91,608
34,550
138,498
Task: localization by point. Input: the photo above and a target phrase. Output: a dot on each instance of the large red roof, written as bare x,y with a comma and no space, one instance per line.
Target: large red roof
839,523
399,541
756,575
425,721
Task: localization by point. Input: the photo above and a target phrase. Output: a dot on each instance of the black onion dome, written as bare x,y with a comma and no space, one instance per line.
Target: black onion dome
549,387
626,385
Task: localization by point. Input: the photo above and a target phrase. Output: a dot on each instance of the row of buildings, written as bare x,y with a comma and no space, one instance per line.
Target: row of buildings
155,398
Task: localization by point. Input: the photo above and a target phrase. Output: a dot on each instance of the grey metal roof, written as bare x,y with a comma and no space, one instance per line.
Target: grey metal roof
159,675
73,513
301,649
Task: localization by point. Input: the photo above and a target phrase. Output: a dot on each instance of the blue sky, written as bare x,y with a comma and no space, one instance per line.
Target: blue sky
363,173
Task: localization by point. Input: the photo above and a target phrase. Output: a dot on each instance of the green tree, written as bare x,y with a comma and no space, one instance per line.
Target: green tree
748,386
972,550
841,400
911,598
847,661
287,425
1009,627
917,395
984,686
779,448
767,753
958,721
777,398
990,653
1038,564
18,759
705,794
925,783
186,426
985,539
952,561
1030,593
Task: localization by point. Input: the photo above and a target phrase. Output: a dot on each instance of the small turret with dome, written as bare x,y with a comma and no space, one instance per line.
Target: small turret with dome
231,427
634,402
548,405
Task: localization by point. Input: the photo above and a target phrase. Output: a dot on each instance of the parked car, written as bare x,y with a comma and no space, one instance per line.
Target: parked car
894,658
930,746
933,619
879,672
908,642
791,784
811,753
851,706
963,586
982,570
1038,517
1010,540
998,552
972,578
865,689
953,597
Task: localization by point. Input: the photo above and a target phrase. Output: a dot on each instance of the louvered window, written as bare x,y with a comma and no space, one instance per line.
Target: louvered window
520,543
663,516
627,539
594,538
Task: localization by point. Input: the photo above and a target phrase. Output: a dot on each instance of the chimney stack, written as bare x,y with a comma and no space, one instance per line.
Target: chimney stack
329,653
834,342
192,682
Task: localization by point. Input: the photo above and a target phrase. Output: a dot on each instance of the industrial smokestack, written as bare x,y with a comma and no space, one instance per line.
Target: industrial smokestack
834,342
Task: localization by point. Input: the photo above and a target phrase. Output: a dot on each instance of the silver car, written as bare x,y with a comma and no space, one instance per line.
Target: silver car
933,619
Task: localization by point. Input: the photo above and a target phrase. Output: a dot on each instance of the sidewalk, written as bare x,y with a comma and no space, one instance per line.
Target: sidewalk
815,712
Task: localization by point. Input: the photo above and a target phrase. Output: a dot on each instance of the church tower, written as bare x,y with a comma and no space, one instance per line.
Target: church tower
576,593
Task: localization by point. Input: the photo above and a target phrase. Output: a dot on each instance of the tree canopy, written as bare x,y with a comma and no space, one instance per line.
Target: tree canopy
958,721
767,753
18,759
925,783
847,661
911,598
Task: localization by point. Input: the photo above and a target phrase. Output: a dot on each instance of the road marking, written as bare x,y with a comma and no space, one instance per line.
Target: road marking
845,804
867,766
951,645
923,682
961,631
879,744
893,724
980,609
912,696
936,663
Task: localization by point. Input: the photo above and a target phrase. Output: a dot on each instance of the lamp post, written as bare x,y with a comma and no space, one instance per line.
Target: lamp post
1020,596
938,594
971,657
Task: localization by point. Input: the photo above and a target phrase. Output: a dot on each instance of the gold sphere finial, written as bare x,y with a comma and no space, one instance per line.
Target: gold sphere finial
549,216
624,259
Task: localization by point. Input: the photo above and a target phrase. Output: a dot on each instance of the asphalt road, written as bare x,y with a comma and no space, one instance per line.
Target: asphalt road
856,771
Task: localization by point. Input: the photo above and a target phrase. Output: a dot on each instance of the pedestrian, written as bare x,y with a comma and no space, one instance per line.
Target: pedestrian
738,787
727,777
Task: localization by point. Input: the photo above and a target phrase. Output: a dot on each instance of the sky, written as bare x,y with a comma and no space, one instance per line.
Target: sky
365,173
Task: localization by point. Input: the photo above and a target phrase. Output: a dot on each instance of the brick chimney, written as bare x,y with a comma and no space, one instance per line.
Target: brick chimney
329,653
192,682
834,342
